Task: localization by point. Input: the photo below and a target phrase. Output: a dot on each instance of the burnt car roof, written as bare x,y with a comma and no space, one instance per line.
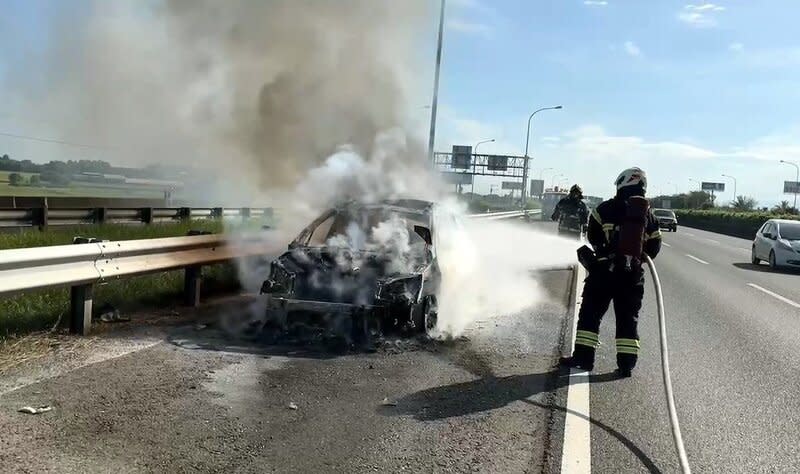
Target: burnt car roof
413,205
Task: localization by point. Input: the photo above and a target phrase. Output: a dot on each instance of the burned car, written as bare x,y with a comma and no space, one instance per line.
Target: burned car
372,266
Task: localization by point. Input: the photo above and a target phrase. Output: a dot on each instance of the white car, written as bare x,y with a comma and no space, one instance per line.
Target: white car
778,242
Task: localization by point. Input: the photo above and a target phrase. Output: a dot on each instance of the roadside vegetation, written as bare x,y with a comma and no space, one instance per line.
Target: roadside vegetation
39,310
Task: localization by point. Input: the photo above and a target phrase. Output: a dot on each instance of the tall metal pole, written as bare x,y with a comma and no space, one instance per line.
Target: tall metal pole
527,142
734,185
543,170
436,84
474,161
796,179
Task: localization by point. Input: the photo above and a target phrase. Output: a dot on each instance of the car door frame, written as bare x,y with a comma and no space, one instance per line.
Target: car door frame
762,242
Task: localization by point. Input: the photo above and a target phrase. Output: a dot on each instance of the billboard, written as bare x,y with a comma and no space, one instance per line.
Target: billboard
512,185
462,157
791,187
456,178
707,186
537,187
497,163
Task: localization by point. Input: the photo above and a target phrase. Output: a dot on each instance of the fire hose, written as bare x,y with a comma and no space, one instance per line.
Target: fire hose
662,329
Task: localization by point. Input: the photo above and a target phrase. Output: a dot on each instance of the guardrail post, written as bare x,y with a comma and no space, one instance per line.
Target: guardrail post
217,212
100,215
147,215
191,285
81,309
245,212
40,217
185,213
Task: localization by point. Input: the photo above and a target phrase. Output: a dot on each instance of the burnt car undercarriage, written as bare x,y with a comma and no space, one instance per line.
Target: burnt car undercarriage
358,290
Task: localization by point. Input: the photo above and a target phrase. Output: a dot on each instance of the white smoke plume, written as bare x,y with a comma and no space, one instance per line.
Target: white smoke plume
295,104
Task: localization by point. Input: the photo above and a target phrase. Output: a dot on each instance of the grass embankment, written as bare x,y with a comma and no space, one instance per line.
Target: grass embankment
38,310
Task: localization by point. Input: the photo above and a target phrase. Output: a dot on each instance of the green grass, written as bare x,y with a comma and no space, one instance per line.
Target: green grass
63,236
37,310
77,191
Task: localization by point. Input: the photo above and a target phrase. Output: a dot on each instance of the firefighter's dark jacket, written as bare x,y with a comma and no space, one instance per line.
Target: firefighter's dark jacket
572,208
604,225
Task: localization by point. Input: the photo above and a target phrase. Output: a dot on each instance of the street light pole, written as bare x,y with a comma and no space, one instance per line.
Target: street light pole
734,185
527,142
797,179
542,172
553,180
699,187
474,163
436,84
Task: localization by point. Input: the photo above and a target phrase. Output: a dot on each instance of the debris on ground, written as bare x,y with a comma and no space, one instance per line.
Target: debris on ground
200,327
110,314
388,403
35,410
292,406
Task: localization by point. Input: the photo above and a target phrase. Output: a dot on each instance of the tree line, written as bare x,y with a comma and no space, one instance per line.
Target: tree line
61,172
704,200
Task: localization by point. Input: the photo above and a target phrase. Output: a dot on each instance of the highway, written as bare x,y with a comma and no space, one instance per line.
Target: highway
733,335
174,391
164,394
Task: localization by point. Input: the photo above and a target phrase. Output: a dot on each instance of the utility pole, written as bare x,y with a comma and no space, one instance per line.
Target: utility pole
474,161
436,84
734,185
527,142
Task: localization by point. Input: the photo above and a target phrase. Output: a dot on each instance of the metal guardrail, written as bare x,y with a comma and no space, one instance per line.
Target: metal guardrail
82,266
43,217
505,214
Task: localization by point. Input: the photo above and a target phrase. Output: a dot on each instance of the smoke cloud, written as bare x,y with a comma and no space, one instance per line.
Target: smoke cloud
294,104
256,93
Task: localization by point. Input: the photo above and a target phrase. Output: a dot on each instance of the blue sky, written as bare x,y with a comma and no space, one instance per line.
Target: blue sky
684,90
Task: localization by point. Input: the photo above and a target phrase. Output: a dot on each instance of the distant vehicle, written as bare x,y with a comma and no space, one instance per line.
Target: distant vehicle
666,219
375,265
549,200
777,242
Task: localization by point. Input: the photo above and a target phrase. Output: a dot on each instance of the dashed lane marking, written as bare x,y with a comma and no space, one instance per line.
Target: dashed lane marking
697,259
775,295
666,244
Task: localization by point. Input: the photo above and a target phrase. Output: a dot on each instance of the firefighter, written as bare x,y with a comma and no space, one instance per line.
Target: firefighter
613,275
571,213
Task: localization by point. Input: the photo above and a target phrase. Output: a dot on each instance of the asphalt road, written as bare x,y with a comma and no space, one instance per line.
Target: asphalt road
161,394
735,355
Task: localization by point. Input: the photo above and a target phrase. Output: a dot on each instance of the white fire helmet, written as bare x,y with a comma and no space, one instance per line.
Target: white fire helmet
632,177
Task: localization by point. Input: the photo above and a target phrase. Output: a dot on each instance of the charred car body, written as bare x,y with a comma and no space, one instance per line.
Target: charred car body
372,266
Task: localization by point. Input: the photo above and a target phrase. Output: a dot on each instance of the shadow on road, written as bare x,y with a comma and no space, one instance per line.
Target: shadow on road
491,392
483,394
630,445
766,269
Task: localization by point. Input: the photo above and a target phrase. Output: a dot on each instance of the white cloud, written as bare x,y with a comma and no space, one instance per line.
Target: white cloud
737,47
467,27
632,49
597,3
700,16
592,142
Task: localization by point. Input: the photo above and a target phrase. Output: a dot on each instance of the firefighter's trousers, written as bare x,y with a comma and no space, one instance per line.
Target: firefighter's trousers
602,287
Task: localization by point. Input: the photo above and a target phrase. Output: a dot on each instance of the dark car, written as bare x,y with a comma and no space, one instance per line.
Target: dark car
666,219
372,265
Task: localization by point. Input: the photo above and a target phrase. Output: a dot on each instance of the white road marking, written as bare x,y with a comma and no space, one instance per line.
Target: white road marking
712,241
775,295
576,456
666,244
697,259
689,234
